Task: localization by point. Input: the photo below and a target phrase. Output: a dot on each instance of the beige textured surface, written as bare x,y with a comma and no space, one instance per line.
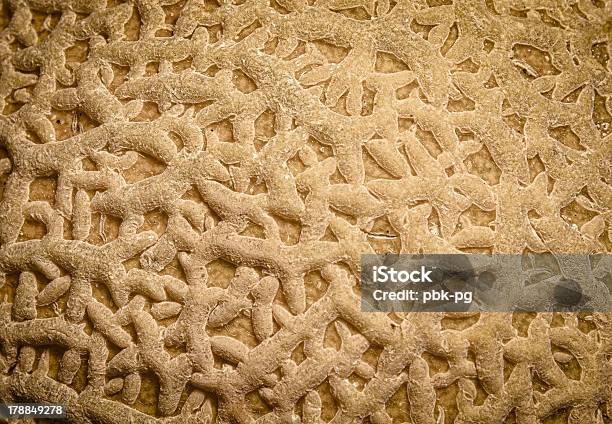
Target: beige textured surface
186,188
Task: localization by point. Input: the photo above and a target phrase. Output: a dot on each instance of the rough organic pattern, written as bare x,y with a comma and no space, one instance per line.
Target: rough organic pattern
188,187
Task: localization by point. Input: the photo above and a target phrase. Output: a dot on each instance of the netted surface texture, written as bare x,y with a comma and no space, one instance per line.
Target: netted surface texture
187,188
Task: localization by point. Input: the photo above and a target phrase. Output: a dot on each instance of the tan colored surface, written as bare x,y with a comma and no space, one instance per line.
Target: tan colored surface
186,188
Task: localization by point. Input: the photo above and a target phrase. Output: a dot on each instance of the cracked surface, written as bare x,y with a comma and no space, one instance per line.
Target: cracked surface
187,188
